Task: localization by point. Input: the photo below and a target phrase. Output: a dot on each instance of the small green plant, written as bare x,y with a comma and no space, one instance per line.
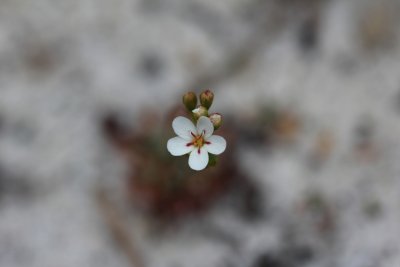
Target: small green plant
195,137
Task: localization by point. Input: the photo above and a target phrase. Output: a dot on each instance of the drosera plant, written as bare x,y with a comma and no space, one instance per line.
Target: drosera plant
167,186
195,137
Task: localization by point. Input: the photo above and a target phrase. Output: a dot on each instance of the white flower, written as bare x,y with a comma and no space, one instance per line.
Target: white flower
196,140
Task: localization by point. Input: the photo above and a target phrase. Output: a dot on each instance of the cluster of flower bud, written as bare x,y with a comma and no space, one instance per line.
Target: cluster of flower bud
206,100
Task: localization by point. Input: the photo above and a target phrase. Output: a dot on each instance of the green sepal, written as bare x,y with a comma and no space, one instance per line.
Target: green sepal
212,160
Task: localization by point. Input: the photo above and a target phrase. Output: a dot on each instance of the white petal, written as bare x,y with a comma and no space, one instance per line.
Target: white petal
177,146
198,161
204,124
217,144
183,127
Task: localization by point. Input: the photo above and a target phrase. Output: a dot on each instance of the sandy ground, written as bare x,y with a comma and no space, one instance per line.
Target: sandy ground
63,64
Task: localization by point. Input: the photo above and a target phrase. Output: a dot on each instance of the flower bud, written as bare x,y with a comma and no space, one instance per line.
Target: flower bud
206,98
199,111
190,100
216,120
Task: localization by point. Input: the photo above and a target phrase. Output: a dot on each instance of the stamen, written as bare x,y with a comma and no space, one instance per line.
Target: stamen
189,144
193,134
198,150
207,143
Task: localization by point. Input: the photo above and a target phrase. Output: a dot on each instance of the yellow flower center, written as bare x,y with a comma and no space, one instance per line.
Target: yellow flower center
198,141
